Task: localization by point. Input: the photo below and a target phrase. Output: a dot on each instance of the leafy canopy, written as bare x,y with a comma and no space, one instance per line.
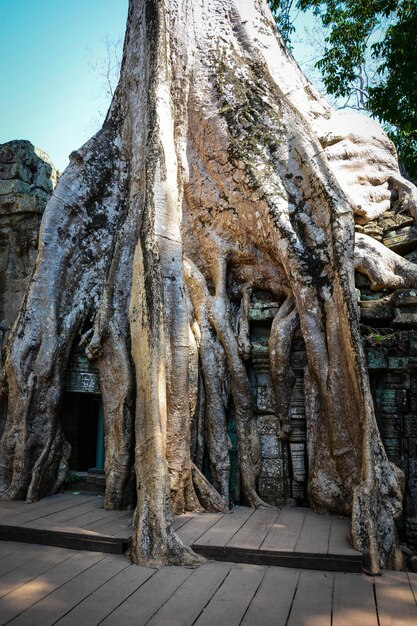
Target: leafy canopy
349,27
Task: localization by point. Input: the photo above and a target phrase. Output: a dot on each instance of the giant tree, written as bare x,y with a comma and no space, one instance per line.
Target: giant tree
218,170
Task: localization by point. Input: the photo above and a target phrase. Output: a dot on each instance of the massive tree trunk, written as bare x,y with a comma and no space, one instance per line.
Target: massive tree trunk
215,173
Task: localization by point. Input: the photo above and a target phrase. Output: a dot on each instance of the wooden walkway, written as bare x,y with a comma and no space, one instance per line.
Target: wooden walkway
290,537
44,585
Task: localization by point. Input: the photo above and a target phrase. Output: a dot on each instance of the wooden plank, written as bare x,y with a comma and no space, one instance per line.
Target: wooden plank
8,547
145,602
412,577
8,509
56,604
32,569
180,520
395,600
98,605
65,537
326,562
224,529
67,514
188,601
26,595
354,601
273,600
338,538
96,515
45,508
111,516
285,530
314,534
121,527
12,508
312,605
230,602
254,530
191,532
17,558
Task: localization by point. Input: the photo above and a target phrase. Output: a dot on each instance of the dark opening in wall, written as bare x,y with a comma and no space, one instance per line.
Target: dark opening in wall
81,426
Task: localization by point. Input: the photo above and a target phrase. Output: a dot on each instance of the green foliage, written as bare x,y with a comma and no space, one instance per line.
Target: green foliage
406,144
282,11
71,477
377,337
350,26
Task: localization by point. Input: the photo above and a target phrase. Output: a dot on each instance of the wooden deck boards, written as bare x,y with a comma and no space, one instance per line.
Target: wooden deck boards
395,599
63,587
353,601
312,604
285,531
231,601
252,534
293,537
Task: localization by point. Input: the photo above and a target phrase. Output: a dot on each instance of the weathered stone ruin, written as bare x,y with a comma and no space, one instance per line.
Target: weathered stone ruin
389,329
27,179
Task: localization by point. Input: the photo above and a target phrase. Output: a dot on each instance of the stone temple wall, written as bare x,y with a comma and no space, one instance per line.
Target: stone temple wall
392,361
389,328
27,179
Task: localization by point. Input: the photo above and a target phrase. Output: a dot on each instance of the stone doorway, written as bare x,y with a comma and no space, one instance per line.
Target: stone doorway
83,424
83,427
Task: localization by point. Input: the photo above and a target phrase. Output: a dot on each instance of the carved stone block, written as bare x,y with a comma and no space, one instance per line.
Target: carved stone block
272,468
270,446
272,490
298,461
393,450
260,311
397,380
398,362
298,490
376,310
405,318
298,431
267,424
392,426
265,402
410,425
391,400
402,241
376,358
404,298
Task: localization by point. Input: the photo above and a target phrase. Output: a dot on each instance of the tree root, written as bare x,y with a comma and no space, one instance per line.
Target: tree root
377,503
154,542
248,438
207,495
384,268
282,331
210,353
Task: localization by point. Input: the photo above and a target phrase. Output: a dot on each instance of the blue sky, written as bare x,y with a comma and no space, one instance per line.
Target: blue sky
50,94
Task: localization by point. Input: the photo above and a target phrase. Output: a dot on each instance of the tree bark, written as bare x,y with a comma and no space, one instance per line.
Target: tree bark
215,173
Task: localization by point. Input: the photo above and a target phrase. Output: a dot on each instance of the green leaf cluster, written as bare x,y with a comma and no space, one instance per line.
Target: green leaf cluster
350,25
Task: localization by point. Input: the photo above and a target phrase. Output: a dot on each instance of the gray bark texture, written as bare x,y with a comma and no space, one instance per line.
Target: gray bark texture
218,170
